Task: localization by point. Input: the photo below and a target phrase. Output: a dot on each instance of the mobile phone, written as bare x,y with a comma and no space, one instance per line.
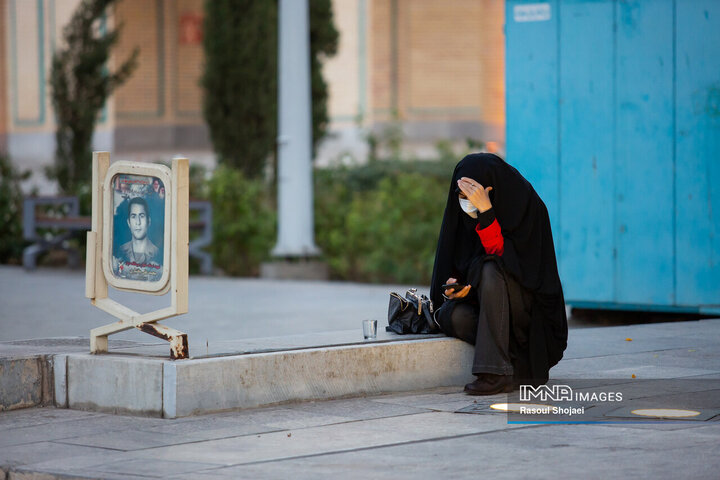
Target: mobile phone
456,287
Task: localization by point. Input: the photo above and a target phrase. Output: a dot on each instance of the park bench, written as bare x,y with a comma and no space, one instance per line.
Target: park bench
201,221
62,216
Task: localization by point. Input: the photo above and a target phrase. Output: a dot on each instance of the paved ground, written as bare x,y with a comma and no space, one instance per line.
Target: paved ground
51,303
414,435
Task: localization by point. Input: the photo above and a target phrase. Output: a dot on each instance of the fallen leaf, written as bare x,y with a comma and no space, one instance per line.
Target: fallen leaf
633,375
628,339
289,434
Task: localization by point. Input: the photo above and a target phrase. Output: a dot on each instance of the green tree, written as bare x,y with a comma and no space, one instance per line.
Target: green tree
11,200
240,81
240,78
80,83
323,44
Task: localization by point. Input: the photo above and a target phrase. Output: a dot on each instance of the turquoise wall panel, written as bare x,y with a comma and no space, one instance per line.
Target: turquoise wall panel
698,152
613,113
532,109
586,149
644,140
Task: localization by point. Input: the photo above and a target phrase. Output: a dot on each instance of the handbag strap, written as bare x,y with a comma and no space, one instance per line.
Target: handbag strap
404,304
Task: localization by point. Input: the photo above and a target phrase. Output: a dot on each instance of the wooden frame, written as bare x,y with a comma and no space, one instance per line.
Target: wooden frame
96,281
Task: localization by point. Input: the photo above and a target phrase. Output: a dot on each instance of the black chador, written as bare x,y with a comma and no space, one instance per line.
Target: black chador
537,334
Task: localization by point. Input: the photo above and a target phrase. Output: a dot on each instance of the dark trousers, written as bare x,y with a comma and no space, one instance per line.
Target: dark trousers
483,319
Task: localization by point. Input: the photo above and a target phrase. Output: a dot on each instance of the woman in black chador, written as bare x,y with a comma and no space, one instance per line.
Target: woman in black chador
496,240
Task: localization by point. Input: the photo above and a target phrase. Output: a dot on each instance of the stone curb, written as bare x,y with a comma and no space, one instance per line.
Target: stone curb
162,388
26,382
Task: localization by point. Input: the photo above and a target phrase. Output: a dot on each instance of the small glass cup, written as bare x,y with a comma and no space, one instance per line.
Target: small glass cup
370,329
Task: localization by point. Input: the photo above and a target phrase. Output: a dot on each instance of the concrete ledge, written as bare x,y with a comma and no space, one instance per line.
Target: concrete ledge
60,380
156,387
25,382
115,384
34,372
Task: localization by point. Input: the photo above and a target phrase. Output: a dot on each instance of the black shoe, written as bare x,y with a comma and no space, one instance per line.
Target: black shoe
489,384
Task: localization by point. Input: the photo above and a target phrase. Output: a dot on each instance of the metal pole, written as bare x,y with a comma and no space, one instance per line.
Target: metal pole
295,176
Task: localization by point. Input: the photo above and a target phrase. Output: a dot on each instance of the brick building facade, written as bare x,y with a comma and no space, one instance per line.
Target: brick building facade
436,67
439,66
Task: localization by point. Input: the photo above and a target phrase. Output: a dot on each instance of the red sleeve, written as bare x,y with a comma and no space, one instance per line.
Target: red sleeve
491,238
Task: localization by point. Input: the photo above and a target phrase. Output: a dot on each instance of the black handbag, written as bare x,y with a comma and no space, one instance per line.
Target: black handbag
412,314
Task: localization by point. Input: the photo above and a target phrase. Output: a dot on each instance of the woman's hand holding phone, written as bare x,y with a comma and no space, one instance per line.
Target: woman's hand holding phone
451,293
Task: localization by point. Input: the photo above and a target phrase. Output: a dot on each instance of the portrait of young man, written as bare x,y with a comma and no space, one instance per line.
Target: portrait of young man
138,233
139,249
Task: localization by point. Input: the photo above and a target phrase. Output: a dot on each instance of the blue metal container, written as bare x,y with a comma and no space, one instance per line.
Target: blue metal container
613,114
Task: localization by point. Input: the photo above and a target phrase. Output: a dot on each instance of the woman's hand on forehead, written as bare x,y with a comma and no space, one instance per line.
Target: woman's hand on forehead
476,193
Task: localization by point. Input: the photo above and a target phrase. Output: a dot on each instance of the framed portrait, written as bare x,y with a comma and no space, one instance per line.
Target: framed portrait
137,227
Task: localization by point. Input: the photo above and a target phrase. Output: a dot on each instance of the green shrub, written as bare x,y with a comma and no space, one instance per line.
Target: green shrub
378,222
243,222
396,229
11,200
332,196
198,182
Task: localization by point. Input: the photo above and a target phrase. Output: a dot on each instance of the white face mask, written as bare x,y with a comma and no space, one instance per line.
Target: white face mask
467,206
